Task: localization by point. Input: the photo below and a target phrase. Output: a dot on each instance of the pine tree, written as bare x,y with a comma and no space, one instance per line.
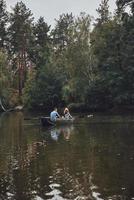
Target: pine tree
103,12
39,49
60,33
20,32
3,24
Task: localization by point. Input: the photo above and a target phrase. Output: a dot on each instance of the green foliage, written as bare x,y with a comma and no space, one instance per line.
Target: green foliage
40,43
61,32
20,34
43,89
103,12
3,24
74,63
20,28
4,78
3,73
72,55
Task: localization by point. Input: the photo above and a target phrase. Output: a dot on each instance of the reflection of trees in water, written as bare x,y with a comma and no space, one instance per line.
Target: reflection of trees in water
18,152
96,152
8,142
79,186
22,180
95,155
111,150
31,153
73,171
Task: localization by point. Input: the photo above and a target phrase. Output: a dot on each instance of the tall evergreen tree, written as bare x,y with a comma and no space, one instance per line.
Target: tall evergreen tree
20,32
39,50
103,12
3,24
60,34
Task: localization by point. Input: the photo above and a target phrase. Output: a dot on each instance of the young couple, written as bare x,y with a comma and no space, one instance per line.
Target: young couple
54,115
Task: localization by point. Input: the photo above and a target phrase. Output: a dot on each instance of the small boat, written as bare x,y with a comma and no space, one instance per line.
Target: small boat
45,121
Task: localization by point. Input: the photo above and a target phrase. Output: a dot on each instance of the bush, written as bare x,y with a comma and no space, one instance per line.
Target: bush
77,107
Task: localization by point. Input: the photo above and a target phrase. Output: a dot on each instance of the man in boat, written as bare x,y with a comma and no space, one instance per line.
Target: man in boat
54,115
67,114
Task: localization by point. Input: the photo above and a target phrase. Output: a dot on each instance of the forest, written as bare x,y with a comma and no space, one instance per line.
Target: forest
82,62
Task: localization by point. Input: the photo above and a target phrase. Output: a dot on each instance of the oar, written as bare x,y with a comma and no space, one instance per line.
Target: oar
31,118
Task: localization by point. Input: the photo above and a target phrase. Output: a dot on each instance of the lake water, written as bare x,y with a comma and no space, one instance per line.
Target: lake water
90,160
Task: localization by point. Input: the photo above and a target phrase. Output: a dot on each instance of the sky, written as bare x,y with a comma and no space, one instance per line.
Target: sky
51,9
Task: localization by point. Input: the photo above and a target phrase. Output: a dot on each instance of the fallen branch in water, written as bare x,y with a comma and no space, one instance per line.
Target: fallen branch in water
11,109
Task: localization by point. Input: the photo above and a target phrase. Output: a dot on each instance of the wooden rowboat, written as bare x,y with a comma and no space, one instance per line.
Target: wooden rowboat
45,121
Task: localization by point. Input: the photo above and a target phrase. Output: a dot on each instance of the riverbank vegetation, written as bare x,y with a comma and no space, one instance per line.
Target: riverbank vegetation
85,62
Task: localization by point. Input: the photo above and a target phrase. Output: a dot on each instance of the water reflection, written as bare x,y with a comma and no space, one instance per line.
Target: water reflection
55,134
65,132
93,161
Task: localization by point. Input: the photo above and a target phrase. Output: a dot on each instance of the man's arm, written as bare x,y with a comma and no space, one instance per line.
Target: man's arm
58,115
70,116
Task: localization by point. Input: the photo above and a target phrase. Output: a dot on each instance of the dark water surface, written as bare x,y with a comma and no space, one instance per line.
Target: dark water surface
92,161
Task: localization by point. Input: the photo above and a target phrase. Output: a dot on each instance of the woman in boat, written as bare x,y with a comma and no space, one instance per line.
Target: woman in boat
67,114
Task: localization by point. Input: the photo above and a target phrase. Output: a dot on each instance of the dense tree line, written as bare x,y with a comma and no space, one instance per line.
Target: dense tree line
83,62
